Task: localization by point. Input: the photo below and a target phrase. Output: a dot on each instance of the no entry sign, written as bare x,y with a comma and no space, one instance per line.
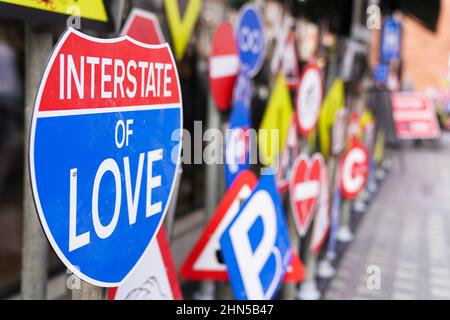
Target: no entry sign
223,66
102,159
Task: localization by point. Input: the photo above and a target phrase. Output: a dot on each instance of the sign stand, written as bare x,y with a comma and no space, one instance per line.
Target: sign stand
35,246
172,206
207,288
345,233
88,292
325,268
290,288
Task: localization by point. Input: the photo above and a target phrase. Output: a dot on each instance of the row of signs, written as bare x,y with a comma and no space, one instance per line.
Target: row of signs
103,162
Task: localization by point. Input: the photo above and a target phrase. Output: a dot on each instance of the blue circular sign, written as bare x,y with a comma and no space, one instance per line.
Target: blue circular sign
250,40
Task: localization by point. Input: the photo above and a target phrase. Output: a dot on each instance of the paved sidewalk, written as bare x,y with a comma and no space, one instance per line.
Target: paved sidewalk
405,232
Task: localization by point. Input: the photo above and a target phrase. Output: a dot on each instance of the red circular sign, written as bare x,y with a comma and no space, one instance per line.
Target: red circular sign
223,66
354,170
309,99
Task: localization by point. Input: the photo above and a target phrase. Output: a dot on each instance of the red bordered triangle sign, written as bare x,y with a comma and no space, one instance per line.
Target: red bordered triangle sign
205,261
154,278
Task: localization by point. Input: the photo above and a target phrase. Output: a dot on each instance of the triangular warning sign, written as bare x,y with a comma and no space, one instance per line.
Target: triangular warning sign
181,27
154,278
278,116
205,261
290,65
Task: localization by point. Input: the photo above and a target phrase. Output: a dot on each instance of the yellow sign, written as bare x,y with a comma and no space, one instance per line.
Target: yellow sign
334,100
89,9
275,123
379,147
181,29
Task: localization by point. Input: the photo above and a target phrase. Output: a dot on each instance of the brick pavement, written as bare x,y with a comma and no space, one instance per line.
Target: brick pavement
404,233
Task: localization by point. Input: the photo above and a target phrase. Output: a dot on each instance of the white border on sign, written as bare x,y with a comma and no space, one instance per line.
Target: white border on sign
310,67
37,103
256,9
137,12
302,230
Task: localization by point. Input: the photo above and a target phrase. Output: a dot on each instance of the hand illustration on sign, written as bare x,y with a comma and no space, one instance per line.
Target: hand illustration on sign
181,28
154,278
101,147
250,39
256,246
309,99
304,189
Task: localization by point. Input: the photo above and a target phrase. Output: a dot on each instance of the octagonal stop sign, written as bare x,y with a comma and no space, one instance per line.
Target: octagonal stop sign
104,150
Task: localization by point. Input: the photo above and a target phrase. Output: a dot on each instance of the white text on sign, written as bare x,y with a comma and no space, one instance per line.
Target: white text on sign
117,78
123,132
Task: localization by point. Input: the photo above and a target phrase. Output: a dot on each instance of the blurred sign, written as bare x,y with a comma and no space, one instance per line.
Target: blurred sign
101,148
338,132
391,40
143,26
309,99
381,73
205,261
290,62
93,12
287,158
181,28
304,189
322,218
155,277
277,119
223,66
256,246
237,146
353,170
281,35
243,90
250,39
414,116
334,101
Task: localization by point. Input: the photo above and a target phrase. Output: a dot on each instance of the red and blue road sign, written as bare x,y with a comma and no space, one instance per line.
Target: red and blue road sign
104,150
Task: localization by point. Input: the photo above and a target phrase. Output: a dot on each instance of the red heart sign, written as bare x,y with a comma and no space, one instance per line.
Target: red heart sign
304,189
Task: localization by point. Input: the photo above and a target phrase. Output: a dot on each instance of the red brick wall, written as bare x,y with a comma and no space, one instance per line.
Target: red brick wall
426,53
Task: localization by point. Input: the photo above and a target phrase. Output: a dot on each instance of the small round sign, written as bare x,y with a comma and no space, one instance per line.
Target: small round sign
354,170
309,99
250,39
223,66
